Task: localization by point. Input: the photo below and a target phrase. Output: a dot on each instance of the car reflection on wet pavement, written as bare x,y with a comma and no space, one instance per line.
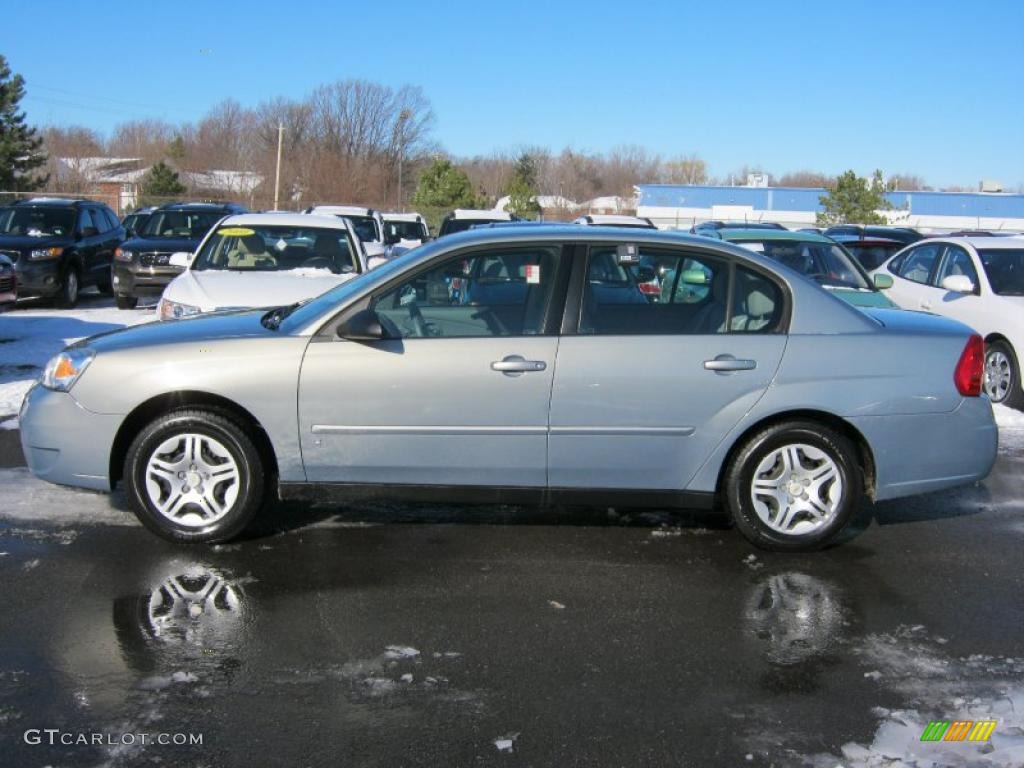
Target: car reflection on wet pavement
405,635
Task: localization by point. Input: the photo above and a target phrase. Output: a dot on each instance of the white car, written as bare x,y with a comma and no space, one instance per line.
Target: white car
462,219
262,260
978,281
403,231
614,220
367,223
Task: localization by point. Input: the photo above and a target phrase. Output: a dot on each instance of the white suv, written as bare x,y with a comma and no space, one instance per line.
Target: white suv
368,225
978,281
404,230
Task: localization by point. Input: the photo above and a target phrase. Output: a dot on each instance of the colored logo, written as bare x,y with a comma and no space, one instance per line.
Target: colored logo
958,730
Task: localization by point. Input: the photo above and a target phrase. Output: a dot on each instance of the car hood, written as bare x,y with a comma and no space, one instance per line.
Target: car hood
173,244
24,242
206,328
212,290
861,298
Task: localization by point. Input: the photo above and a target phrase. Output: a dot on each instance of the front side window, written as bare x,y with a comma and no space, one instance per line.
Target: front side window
1004,268
192,225
365,227
85,221
36,221
918,264
666,292
501,292
273,248
957,262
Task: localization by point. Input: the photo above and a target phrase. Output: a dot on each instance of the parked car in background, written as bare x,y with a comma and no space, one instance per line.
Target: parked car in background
142,265
704,226
262,260
136,220
905,235
869,251
367,223
59,246
462,219
815,256
614,220
759,391
978,281
8,282
405,229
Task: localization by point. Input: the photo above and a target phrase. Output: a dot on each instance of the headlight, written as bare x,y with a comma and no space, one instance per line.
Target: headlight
63,371
172,310
40,254
122,255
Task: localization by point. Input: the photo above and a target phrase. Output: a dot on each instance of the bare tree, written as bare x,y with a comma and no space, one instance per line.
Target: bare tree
686,169
805,179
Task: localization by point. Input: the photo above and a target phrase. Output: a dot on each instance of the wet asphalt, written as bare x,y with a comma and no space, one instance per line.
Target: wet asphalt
386,635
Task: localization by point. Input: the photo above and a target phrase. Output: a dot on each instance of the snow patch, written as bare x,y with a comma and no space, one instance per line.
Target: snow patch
400,652
506,743
27,499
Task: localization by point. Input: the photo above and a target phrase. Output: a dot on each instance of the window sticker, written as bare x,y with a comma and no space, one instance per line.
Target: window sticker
236,232
533,273
281,244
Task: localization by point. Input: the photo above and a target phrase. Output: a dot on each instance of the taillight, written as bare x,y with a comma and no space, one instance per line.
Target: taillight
970,370
650,289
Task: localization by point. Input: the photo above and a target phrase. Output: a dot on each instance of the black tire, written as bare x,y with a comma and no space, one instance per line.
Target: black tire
70,287
232,436
105,285
1012,397
738,483
126,302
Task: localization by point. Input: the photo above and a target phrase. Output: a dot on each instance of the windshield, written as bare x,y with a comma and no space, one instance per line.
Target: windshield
826,263
36,221
274,248
1005,270
365,227
404,230
192,225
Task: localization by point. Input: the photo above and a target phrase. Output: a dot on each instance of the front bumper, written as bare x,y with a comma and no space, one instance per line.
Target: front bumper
930,452
130,279
63,442
37,278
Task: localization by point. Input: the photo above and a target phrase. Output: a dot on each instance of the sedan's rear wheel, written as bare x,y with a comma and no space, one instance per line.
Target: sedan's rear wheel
793,486
1002,375
194,475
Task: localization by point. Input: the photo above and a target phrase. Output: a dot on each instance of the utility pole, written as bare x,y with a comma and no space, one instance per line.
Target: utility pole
404,115
277,175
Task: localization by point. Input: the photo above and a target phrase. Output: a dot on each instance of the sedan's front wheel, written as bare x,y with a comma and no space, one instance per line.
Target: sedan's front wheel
793,486
194,476
1002,375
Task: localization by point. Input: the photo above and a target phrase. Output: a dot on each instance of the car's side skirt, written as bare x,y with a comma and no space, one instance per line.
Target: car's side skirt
478,494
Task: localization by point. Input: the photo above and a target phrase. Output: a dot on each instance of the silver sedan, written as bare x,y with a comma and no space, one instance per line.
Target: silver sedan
528,364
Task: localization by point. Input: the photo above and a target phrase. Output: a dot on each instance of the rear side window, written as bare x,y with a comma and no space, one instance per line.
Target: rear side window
918,264
667,292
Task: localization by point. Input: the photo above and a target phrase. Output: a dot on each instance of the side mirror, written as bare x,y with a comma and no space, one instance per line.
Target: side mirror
180,259
882,281
364,325
957,284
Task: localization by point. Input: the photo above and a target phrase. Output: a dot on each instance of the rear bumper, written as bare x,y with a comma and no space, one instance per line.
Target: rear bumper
133,280
63,442
930,452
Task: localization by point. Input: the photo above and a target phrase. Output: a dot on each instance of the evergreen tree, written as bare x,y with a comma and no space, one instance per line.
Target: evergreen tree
20,147
442,185
522,190
161,182
854,200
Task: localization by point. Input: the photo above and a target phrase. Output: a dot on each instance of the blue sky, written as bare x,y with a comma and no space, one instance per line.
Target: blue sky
934,88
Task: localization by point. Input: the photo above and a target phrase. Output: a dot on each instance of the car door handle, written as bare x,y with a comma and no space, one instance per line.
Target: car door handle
726,363
925,304
513,365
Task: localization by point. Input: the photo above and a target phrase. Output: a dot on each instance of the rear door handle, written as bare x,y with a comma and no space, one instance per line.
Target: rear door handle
925,304
515,365
727,363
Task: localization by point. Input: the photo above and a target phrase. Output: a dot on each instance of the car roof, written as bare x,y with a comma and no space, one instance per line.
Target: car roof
342,210
980,243
744,234
56,202
476,213
402,217
198,206
286,219
613,219
852,239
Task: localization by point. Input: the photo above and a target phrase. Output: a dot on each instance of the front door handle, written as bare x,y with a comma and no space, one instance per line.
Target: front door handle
925,304
727,363
516,365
